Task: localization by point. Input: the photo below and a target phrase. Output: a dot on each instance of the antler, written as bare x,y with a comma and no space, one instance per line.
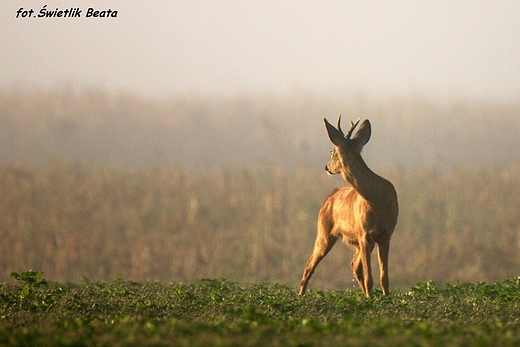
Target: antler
352,127
339,126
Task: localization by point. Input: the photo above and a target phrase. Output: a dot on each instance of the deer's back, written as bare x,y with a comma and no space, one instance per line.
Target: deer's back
347,214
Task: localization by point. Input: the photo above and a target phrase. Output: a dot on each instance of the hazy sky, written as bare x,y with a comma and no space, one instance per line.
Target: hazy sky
471,48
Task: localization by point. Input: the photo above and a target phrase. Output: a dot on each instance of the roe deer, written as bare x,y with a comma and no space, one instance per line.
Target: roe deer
363,213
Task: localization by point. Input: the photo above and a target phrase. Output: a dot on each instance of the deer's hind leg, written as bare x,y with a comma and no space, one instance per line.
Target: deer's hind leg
324,243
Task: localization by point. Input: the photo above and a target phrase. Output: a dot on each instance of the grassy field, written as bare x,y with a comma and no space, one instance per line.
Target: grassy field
35,312
96,187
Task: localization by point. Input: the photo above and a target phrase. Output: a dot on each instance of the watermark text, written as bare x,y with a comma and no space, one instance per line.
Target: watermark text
72,12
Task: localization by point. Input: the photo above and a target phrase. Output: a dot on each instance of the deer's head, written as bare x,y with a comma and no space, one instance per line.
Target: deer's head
345,145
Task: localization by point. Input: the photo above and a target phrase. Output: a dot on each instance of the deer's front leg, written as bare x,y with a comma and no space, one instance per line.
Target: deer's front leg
357,269
365,249
383,249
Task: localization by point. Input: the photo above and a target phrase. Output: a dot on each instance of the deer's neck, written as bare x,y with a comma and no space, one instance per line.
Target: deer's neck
368,184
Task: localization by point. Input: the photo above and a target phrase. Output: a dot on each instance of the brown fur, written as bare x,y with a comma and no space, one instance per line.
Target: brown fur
363,214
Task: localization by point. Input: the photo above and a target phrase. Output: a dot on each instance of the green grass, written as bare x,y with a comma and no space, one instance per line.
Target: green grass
34,311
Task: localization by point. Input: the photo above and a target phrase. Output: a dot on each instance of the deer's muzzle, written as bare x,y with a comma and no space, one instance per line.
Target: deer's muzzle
328,171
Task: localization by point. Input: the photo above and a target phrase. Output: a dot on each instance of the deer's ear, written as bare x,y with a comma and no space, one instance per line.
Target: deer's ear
363,134
335,136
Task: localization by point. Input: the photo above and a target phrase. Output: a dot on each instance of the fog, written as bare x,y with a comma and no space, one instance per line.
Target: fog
160,49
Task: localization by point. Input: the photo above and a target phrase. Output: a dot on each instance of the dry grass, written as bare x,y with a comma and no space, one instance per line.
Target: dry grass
164,223
230,188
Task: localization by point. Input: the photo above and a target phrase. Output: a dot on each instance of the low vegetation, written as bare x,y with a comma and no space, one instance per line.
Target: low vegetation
37,312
